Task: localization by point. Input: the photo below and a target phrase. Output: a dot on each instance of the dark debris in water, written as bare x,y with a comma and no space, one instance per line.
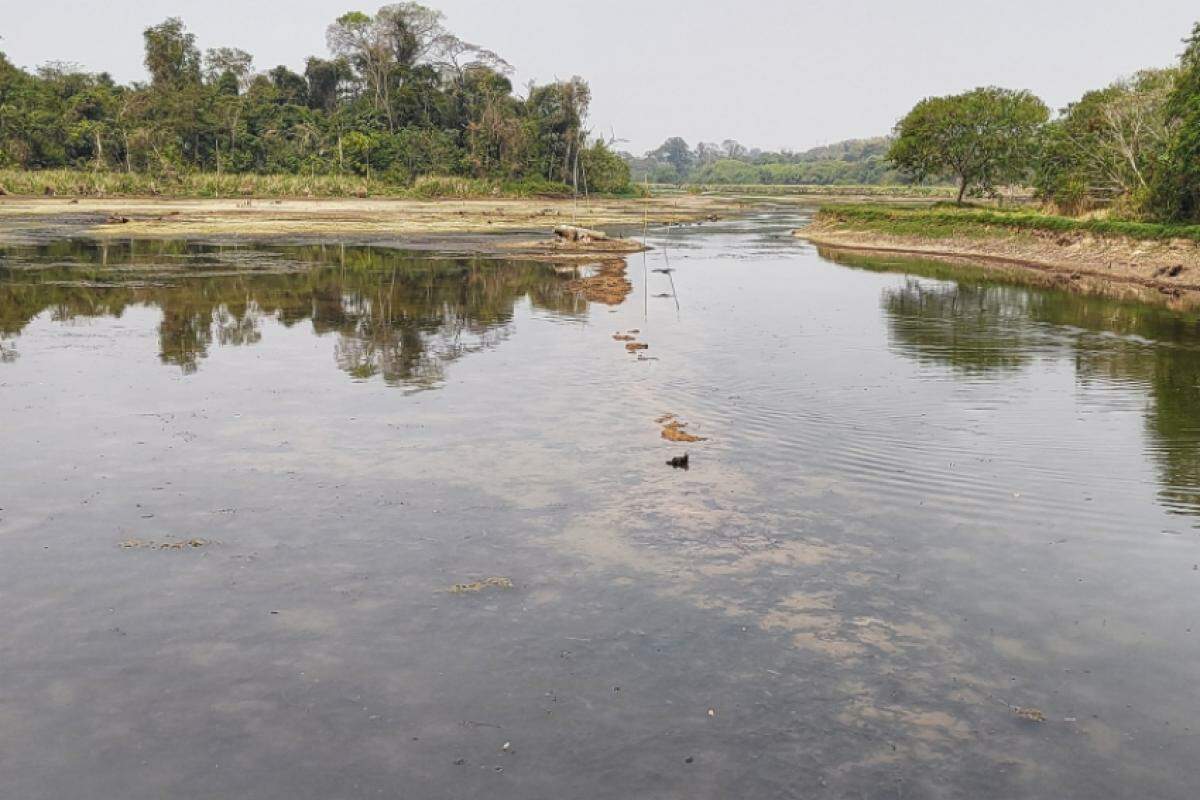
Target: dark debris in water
1029,714
478,586
145,544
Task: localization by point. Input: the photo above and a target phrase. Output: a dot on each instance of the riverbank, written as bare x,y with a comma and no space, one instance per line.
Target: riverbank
1166,258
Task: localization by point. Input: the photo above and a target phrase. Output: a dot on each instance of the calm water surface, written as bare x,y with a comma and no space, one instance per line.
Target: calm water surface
927,499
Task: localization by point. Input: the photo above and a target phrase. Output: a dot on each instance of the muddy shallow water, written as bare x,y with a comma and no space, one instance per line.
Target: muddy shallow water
930,504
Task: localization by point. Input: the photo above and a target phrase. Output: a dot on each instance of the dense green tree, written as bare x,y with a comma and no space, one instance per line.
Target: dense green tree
1176,192
1106,148
985,138
325,80
557,111
675,154
291,88
603,170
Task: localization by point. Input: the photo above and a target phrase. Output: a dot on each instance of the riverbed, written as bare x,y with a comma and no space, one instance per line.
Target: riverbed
340,520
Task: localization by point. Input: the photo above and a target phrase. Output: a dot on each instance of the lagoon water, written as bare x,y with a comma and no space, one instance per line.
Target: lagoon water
934,507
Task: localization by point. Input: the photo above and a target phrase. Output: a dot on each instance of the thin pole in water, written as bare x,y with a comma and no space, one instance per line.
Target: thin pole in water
645,250
671,278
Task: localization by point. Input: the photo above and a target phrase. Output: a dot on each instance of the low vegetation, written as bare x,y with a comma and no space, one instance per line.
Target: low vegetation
86,183
950,220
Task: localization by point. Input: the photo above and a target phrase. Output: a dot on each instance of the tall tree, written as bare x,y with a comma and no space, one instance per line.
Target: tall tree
558,111
171,54
677,154
386,46
733,149
229,64
325,79
985,138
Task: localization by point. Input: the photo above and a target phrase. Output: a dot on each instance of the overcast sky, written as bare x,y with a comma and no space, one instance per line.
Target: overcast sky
770,73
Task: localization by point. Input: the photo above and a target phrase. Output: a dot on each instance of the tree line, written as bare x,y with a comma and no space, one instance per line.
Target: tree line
398,96
1132,147
854,161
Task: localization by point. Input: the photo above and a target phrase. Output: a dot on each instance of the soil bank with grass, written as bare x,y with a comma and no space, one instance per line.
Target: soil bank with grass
1071,251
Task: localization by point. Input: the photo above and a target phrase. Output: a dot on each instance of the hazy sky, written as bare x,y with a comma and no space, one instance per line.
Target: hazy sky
770,73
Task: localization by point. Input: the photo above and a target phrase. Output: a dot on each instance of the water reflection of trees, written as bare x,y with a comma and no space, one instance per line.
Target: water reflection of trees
975,329
982,326
395,316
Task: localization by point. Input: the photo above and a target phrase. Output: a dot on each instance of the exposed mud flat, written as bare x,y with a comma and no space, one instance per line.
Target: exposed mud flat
558,249
123,218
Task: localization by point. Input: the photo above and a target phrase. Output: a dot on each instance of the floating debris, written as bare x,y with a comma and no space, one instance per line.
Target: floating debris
673,430
679,462
624,337
608,286
633,347
1029,714
479,586
141,544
